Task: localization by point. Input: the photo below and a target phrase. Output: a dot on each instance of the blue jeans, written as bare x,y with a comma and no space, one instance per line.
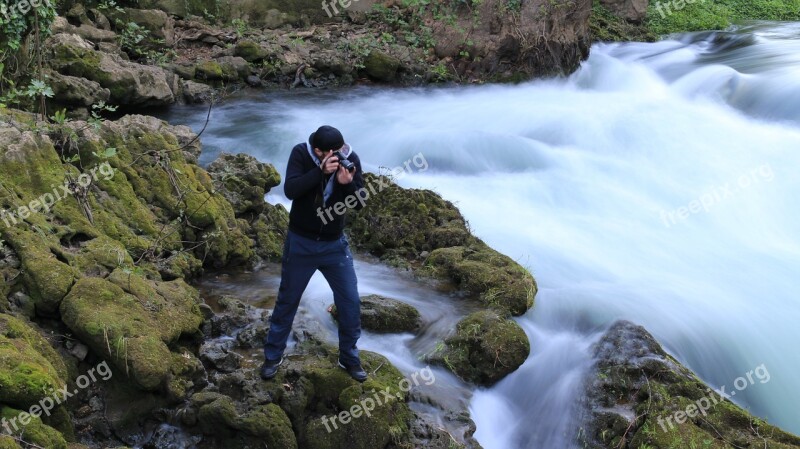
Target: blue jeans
301,258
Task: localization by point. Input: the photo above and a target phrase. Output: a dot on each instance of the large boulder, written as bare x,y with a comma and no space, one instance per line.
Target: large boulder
130,321
639,396
130,84
484,348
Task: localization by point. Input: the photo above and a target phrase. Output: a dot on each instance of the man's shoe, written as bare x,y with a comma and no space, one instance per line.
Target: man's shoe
355,371
270,368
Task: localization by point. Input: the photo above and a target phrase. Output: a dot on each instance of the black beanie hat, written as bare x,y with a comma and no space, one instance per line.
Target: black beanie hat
326,138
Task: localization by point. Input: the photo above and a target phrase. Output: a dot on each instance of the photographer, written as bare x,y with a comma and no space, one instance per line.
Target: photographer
322,172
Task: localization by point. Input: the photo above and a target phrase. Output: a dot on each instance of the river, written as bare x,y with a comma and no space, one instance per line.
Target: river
657,184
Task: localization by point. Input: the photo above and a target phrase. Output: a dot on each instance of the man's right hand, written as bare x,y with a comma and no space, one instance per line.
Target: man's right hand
330,164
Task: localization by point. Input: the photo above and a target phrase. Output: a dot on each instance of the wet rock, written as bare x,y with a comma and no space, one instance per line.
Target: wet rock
254,81
484,349
386,315
635,390
195,93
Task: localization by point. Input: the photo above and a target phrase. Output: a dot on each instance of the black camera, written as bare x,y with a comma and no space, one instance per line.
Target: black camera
349,166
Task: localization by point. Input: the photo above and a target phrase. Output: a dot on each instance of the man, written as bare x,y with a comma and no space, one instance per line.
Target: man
315,181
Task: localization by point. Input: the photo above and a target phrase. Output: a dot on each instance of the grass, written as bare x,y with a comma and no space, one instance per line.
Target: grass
716,14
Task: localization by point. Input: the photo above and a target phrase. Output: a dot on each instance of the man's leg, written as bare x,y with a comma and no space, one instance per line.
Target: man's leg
341,276
296,271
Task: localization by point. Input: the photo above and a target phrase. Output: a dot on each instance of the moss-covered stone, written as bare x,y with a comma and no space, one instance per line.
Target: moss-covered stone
35,432
386,315
484,349
29,367
381,66
401,225
268,424
250,51
636,390
132,331
243,181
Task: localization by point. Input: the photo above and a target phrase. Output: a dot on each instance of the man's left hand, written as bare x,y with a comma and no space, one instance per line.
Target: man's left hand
344,176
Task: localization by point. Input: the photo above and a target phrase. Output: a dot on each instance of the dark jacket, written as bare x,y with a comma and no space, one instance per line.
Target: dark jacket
304,185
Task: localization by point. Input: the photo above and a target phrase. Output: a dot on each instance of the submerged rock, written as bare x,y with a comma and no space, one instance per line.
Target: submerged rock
484,349
639,396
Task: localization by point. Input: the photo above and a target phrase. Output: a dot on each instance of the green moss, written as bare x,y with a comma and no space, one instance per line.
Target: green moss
606,27
485,348
209,70
268,424
35,432
398,225
717,14
130,331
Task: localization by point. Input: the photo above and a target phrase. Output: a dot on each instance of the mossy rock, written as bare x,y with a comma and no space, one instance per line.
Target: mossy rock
132,332
244,181
34,432
485,348
310,386
29,367
385,315
209,71
401,225
266,425
381,66
269,232
634,377
500,283
250,51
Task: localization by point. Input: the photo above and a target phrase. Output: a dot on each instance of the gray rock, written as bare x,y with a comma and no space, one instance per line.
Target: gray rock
254,81
129,83
79,351
74,91
220,354
243,181
386,315
194,92
630,10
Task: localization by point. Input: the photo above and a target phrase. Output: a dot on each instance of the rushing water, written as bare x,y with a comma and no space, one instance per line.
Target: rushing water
658,184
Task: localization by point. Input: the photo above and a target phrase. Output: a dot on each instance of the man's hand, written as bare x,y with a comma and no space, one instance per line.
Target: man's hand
329,164
344,176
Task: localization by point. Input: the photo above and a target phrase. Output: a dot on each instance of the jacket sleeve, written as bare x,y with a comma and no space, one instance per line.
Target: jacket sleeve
358,181
299,182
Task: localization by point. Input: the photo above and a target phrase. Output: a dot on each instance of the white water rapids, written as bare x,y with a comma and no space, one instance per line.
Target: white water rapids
658,184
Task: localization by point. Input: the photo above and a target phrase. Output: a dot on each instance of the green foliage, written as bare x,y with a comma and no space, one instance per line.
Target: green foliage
240,26
664,17
137,42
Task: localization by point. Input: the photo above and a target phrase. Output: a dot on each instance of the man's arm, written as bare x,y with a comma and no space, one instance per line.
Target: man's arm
299,182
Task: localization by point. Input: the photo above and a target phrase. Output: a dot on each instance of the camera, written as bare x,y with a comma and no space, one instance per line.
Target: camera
349,166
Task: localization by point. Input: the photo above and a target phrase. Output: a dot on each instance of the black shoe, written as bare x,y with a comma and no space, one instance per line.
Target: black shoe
355,371
270,368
